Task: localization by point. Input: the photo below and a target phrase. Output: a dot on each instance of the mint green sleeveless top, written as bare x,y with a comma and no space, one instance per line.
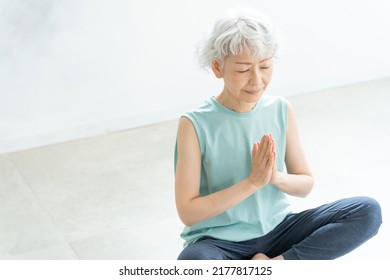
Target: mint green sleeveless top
226,140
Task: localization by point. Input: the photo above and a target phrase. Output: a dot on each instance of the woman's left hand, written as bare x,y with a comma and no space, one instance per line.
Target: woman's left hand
275,172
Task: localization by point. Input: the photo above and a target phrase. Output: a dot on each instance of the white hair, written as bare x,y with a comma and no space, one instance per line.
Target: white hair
233,33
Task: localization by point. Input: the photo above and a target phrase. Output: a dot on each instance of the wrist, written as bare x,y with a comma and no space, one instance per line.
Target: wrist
277,179
253,185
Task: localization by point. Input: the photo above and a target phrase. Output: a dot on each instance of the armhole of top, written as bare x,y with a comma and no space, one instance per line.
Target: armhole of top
284,105
197,130
284,113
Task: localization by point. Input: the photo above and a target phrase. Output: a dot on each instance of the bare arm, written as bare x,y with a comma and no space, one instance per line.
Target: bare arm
192,207
299,180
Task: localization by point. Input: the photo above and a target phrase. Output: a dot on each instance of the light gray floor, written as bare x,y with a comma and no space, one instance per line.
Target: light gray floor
111,197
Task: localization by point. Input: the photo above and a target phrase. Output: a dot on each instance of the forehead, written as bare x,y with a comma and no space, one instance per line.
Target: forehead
246,57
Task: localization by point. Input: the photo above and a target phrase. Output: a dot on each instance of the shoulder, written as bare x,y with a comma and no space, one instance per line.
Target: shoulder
192,125
205,107
203,114
274,100
274,105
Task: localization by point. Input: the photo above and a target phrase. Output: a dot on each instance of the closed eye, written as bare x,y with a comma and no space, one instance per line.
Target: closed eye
243,71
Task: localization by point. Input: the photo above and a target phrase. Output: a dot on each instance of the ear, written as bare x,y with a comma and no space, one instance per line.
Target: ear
217,68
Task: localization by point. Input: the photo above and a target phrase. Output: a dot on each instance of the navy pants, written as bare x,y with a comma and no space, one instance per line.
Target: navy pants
323,233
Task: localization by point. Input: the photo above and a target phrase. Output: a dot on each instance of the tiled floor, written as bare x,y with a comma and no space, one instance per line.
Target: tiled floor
111,197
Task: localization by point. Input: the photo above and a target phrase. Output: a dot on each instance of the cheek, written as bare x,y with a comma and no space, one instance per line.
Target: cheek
235,81
267,77
239,79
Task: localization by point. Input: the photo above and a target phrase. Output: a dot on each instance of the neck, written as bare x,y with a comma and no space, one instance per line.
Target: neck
234,104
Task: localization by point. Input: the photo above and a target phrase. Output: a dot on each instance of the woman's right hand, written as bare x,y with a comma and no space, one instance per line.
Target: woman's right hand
263,158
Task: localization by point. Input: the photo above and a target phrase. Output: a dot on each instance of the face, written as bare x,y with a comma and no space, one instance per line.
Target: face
246,77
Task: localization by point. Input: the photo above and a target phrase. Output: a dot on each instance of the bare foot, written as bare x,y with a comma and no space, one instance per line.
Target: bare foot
261,256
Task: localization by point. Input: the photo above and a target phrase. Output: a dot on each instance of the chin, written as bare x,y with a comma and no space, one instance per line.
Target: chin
253,98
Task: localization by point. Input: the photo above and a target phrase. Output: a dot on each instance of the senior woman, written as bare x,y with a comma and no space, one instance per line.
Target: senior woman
230,186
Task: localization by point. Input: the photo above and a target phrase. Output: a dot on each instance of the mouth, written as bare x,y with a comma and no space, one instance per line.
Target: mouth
253,92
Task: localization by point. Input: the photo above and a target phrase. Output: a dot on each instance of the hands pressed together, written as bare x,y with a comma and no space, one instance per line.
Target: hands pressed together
264,167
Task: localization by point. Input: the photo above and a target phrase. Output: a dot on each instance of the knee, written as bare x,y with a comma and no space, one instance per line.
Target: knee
200,252
372,212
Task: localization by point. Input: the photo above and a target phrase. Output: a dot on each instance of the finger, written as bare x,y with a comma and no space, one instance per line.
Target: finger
265,153
254,150
270,156
269,164
273,146
275,165
257,158
261,143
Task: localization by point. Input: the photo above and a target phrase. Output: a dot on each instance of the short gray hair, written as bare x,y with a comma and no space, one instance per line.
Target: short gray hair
244,29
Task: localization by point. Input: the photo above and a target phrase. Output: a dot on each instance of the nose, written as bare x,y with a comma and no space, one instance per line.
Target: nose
255,77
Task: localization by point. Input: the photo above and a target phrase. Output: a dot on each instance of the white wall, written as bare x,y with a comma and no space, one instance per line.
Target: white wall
77,68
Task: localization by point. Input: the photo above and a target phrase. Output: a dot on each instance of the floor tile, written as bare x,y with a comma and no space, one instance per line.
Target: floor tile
159,241
104,184
24,224
57,252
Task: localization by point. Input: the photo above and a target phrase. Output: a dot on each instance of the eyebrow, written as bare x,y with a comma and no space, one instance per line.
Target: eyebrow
249,63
